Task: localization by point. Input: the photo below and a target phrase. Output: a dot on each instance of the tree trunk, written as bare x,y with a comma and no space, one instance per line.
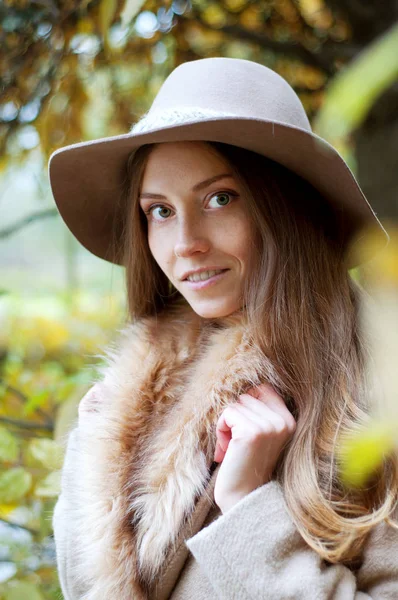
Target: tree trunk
377,155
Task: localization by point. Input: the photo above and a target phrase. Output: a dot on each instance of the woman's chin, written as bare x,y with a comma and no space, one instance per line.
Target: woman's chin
213,309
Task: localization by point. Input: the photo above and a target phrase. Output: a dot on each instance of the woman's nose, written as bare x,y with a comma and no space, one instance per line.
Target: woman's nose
191,238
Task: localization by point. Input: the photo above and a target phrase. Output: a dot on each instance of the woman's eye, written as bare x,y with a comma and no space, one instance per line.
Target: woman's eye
224,196
162,208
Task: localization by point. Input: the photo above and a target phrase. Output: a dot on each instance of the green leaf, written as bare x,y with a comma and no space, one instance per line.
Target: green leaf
354,89
46,452
3,390
14,484
9,446
45,520
22,590
35,400
50,486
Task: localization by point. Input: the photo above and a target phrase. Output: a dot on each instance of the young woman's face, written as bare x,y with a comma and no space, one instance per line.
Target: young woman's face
194,223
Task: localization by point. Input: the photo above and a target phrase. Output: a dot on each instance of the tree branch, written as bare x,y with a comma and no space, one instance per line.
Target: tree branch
27,424
17,526
43,214
366,19
24,399
292,49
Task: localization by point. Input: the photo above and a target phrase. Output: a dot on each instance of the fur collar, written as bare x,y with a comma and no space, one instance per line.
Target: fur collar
146,443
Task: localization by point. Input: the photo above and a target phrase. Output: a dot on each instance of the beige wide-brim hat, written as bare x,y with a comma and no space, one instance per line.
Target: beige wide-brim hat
230,100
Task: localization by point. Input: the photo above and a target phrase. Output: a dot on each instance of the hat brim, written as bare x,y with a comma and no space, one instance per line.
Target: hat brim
86,178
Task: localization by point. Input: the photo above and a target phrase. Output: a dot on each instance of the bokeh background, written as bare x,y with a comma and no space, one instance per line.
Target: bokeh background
76,70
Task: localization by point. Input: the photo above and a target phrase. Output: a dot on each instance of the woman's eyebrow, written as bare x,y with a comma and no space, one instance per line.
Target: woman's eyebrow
196,188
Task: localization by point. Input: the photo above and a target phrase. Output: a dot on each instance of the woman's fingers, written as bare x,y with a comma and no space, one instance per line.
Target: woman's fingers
251,434
250,421
231,420
234,423
259,414
267,395
276,412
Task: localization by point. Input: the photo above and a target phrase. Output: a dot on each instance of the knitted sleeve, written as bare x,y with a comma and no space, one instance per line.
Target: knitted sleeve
255,552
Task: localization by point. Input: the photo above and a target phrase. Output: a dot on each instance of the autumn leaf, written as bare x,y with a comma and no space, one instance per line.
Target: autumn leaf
14,484
49,486
363,452
9,446
130,9
44,452
22,590
106,14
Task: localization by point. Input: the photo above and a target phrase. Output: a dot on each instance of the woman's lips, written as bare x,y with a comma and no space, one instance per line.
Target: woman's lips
200,285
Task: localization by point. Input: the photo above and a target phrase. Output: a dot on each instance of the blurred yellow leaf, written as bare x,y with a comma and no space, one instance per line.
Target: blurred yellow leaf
251,18
9,446
14,484
50,333
361,454
316,13
382,267
129,11
201,39
22,590
49,487
235,5
379,315
107,12
44,452
85,25
214,15
35,400
7,509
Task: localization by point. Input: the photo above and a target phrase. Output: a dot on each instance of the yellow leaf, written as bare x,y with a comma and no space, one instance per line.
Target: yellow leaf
383,268
9,446
316,13
14,484
363,452
251,18
20,590
214,15
107,12
7,509
49,487
129,11
44,452
235,5
85,25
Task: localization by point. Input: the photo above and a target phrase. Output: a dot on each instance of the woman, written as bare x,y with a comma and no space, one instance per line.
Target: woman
203,463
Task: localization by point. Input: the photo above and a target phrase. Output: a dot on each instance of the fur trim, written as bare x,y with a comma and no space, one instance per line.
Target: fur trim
155,118
146,443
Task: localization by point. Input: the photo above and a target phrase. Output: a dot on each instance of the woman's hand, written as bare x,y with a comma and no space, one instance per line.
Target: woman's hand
251,434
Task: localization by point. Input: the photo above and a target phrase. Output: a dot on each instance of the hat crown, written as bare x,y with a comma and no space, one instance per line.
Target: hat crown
231,86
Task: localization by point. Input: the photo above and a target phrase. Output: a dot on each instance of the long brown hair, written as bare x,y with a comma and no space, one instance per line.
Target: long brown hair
303,308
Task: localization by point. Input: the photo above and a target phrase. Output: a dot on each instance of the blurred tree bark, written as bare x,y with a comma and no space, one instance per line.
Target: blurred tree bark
377,154
376,140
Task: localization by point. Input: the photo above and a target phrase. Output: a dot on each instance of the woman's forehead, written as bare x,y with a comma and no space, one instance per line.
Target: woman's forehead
192,166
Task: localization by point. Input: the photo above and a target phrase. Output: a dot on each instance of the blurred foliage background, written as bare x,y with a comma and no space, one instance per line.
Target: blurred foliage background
76,70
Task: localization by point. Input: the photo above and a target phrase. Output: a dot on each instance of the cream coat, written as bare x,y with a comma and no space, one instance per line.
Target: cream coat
136,517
